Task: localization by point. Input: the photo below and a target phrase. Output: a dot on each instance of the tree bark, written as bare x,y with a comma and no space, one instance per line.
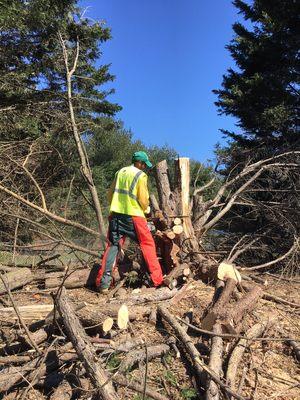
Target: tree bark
237,353
215,363
220,308
83,348
17,278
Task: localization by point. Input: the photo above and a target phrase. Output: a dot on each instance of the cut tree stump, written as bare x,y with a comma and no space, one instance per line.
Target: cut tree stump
83,348
17,278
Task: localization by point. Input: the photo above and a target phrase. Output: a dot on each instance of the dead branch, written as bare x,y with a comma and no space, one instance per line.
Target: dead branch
22,323
83,348
85,167
215,363
294,248
237,354
194,354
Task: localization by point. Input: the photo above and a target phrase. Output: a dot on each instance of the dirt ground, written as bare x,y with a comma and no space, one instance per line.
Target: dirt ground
269,369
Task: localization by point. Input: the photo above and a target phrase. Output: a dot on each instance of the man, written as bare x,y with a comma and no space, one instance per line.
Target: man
129,202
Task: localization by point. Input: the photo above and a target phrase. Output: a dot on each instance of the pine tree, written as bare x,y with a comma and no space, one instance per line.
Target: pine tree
262,93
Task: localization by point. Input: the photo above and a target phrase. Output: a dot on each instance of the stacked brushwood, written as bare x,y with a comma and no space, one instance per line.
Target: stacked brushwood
62,348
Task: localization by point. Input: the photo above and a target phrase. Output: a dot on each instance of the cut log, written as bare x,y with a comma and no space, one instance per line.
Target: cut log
220,307
176,272
30,312
227,270
170,234
123,317
151,295
83,348
177,221
107,325
237,353
215,363
17,278
177,229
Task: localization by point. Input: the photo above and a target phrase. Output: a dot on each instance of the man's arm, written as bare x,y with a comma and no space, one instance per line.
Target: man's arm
143,194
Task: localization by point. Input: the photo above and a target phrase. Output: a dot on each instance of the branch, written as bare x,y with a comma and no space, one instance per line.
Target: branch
240,190
22,323
48,213
268,264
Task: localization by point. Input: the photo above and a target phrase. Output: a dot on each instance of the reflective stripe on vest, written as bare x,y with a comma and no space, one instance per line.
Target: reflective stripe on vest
131,188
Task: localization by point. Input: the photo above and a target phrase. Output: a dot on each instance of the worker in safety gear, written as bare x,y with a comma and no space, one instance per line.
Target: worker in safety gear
129,202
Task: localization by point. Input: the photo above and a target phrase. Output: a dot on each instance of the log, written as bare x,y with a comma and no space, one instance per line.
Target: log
149,296
237,353
83,348
139,355
76,279
168,200
177,221
95,314
30,312
17,278
107,325
123,317
236,313
220,307
215,363
176,272
177,229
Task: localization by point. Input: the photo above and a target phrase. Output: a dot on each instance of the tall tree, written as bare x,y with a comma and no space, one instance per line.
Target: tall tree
45,102
262,93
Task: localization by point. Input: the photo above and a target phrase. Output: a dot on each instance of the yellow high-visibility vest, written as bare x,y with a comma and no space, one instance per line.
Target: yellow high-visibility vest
124,199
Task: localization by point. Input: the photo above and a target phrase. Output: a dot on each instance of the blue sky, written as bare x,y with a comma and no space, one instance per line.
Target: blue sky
167,56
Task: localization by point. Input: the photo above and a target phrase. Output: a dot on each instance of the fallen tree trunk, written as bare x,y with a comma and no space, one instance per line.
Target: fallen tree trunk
149,296
220,307
30,312
17,278
235,314
215,363
76,279
237,353
84,348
